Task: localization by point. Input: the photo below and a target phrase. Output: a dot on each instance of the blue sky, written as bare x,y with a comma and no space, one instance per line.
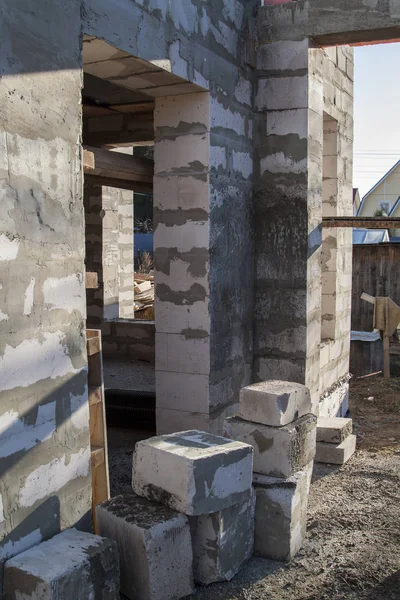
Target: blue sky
376,113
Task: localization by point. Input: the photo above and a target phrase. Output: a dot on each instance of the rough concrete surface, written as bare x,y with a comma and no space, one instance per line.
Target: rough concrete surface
281,514
278,451
333,430
72,565
223,541
155,547
336,454
274,402
193,472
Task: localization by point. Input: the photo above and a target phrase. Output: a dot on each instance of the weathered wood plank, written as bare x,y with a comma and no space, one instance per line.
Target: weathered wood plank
117,166
362,222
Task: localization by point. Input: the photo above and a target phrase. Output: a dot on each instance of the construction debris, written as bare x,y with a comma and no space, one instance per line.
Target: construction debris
144,296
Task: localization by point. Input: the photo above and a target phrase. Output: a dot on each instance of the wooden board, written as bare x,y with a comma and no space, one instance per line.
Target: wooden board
363,222
116,165
135,108
376,271
97,422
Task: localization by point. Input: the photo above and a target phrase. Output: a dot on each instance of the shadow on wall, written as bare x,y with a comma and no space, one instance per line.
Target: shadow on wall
45,483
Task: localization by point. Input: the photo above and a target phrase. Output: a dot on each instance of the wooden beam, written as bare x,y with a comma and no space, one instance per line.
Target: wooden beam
121,184
118,129
124,170
362,222
367,298
135,108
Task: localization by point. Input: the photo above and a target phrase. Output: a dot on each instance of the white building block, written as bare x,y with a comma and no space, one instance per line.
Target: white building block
281,514
278,451
193,472
333,430
155,547
73,564
336,454
274,402
223,541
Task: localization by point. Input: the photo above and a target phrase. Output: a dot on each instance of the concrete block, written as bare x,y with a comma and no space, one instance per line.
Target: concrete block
274,402
155,547
278,451
333,430
73,564
223,541
193,472
281,514
336,454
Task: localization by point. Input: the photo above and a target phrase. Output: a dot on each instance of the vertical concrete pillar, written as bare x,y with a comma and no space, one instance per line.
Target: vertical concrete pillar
181,255
110,232
126,252
288,213
329,236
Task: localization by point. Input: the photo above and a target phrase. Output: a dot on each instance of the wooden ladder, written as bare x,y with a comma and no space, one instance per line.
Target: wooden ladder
97,422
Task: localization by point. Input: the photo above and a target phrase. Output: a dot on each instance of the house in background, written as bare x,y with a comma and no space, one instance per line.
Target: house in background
384,196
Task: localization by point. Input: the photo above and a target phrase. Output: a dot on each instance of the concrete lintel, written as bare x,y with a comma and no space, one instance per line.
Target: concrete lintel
329,23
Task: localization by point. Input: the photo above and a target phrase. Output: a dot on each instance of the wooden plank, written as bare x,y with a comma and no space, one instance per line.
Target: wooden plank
91,110
368,298
386,357
119,129
93,346
376,271
97,456
121,184
92,281
97,422
134,108
363,222
95,395
116,165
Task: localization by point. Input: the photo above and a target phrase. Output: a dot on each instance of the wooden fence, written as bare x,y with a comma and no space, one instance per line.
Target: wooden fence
376,271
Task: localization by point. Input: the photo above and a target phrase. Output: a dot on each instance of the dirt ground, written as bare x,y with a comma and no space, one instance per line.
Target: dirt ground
352,548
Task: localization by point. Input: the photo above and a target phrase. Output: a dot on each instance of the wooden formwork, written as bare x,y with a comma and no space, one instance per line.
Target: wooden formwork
97,422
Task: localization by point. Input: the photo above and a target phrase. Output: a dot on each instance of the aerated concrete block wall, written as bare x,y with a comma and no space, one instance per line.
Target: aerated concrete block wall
45,482
302,176
288,210
45,472
338,69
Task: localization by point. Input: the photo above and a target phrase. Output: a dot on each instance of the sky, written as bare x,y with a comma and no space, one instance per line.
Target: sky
376,113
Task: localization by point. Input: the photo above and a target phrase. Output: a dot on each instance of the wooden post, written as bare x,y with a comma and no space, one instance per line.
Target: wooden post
386,356
97,422
386,348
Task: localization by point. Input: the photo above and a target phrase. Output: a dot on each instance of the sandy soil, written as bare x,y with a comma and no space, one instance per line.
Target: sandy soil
352,549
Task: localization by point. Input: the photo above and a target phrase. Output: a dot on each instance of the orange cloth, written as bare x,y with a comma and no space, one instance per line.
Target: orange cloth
386,315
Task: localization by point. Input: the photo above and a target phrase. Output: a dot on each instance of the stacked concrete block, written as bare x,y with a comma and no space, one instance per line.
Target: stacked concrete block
335,440
209,479
72,564
223,541
281,513
154,544
274,418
